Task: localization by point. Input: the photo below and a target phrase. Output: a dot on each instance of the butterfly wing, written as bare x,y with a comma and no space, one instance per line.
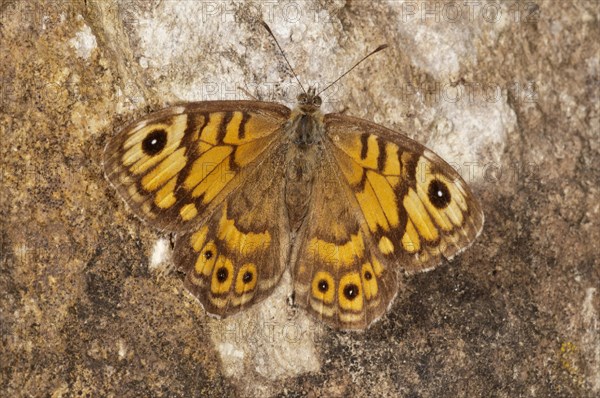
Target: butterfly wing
237,257
174,167
339,276
388,204
417,208
208,171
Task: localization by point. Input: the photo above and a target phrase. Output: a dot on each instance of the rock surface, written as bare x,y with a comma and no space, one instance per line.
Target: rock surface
508,93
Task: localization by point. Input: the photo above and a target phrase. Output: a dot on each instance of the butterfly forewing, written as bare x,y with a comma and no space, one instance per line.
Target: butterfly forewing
415,207
175,166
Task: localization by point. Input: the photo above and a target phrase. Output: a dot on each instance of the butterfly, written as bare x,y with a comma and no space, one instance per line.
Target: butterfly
252,189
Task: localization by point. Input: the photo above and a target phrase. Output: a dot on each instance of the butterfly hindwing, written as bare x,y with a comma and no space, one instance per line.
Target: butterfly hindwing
416,207
237,257
175,166
339,276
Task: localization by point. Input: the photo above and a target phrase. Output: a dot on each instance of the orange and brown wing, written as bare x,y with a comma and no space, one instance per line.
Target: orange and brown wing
339,276
208,171
237,257
414,205
175,166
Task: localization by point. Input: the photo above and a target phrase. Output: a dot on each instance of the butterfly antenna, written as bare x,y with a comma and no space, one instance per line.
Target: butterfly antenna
381,47
264,24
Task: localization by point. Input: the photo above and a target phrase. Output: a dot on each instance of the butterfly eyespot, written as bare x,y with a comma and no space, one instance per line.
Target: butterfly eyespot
246,279
154,142
351,291
206,258
438,194
222,274
323,286
370,285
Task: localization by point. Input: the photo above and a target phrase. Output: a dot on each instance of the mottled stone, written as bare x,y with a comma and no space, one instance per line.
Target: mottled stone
508,93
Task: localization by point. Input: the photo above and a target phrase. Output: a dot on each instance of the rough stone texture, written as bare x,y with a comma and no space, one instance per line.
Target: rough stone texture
85,309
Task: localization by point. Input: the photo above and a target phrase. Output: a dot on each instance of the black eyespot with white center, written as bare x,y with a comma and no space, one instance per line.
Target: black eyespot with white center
154,142
438,194
247,277
208,254
323,286
368,275
222,274
351,291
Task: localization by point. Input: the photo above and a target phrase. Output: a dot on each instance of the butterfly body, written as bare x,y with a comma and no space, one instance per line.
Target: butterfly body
252,189
303,154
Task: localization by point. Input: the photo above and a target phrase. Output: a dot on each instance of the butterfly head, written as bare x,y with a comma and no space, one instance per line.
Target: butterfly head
309,102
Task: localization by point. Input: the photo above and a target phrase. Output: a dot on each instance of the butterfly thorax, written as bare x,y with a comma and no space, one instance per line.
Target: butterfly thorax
306,131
